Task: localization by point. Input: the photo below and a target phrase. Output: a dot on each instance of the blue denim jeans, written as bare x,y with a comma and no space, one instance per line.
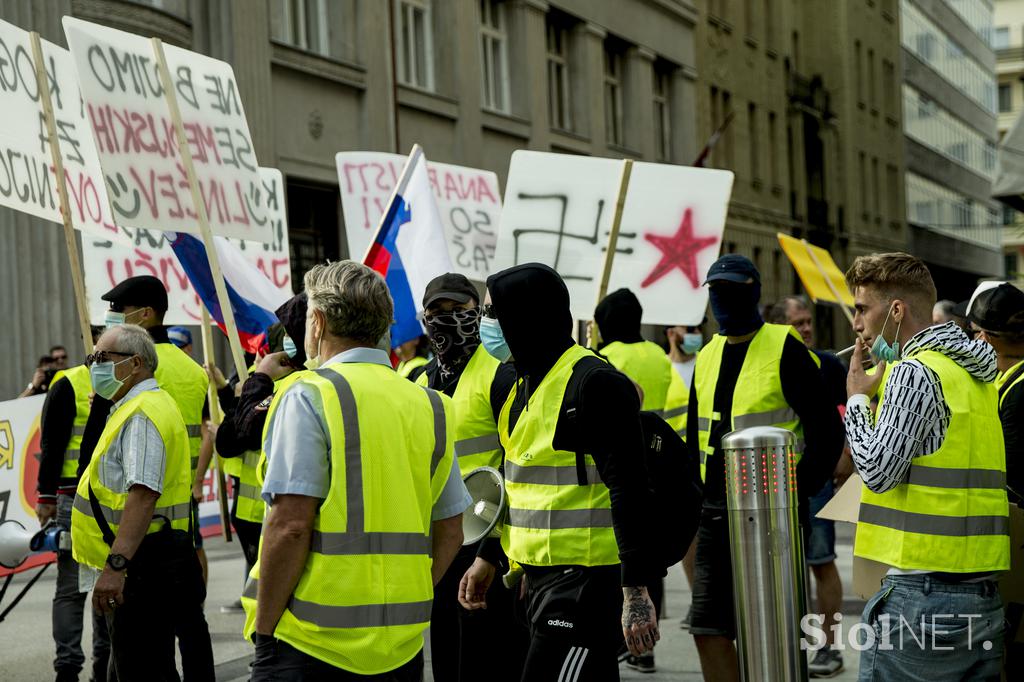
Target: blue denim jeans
821,548
926,630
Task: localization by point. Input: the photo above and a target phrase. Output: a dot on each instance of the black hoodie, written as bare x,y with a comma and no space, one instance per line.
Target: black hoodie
532,304
618,317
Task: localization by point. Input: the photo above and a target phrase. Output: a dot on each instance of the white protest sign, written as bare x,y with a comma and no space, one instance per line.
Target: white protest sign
146,181
28,181
468,200
150,253
558,210
19,467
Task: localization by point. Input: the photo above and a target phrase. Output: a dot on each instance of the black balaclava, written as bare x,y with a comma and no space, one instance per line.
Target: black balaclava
531,303
454,337
618,317
292,315
735,308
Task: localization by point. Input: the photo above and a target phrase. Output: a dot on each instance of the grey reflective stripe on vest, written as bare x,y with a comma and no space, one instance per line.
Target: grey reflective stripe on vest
78,430
934,524
363,616
477,445
71,455
177,512
769,418
341,544
549,519
674,412
548,475
251,492
935,477
194,430
703,424
440,429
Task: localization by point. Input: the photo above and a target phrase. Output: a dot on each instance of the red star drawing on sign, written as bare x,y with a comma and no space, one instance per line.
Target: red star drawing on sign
678,251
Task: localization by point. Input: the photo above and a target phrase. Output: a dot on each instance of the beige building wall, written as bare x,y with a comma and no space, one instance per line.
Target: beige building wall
315,77
813,88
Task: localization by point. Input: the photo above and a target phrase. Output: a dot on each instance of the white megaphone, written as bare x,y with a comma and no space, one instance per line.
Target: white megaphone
15,543
486,515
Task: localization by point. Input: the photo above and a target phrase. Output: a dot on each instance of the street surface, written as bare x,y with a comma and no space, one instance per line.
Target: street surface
28,646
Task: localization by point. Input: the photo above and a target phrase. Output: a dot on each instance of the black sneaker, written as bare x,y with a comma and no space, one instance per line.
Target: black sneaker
826,663
643,664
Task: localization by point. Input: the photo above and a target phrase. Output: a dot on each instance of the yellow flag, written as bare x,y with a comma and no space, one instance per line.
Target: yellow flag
814,264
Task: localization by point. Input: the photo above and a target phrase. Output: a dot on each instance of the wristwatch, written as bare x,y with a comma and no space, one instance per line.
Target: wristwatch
118,562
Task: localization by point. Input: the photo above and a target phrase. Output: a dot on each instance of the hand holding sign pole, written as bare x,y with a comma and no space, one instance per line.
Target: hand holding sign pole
216,417
594,334
200,208
43,82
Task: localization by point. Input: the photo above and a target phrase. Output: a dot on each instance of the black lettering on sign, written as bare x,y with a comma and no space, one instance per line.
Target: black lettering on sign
559,233
8,74
5,500
184,86
223,96
100,67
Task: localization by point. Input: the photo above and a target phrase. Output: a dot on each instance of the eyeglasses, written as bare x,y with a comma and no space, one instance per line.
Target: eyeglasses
103,356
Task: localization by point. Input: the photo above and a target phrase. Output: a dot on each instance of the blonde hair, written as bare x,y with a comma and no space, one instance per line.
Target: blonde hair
895,275
353,298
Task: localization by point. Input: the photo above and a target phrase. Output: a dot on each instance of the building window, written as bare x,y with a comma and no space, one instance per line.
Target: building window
1005,98
872,92
558,76
1001,38
1009,215
876,187
990,156
892,188
748,17
613,95
726,140
863,185
716,118
926,46
414,43
859,68
889,84
1010,265
302,24
753,142
769,25
662,113
494,53
773,142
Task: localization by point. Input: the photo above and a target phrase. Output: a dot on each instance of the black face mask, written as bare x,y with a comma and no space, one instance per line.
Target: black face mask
735,307
453,336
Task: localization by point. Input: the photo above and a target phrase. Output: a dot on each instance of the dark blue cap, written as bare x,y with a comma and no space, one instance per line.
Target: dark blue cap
733,268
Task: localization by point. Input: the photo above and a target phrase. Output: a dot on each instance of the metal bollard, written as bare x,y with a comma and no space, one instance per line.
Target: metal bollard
767,553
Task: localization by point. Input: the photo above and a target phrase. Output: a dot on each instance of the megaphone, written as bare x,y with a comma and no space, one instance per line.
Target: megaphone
15,543
486,515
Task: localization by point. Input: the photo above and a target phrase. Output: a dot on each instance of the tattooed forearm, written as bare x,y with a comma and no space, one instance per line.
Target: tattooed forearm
638,608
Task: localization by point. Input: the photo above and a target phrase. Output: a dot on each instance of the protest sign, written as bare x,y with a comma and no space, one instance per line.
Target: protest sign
135,136
824,281
468,201
150,253
28,179
558,210
19,468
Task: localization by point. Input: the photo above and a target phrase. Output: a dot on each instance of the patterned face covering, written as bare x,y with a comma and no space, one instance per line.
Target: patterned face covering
454,336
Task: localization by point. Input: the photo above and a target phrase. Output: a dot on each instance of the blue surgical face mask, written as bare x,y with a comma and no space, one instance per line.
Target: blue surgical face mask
692,343
493,339
289,347
881,348
104,380
113,319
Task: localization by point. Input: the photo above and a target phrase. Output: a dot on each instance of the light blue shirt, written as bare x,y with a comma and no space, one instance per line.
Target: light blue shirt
298,446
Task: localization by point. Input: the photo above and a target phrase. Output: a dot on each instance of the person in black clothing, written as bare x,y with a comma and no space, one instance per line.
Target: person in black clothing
735,289
244,417
573,610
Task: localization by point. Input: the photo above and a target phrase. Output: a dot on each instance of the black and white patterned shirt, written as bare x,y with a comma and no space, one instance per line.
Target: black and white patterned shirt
914,415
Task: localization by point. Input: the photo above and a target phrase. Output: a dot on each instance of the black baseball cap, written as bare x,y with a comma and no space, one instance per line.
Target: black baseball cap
451,286
997,308
142,291
733,268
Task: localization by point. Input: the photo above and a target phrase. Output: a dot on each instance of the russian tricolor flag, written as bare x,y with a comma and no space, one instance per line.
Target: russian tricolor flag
254,298
410,249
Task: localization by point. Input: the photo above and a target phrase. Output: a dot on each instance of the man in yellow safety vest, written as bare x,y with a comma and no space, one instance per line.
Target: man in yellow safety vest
933,506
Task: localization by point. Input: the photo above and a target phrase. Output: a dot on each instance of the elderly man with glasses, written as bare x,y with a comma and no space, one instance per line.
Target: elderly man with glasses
130,523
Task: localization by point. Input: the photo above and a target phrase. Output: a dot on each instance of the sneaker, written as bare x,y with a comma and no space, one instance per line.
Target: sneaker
234,607
685,622
826,663
643,664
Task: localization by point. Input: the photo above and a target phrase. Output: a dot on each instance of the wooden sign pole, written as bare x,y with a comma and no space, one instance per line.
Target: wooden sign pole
403,182
216,417
200,208
43,81
609,254
828,281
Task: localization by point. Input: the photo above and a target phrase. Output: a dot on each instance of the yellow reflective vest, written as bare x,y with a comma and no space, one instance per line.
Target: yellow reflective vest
951,514
676,402
1003,377
365,594
757,399
552,520
187,382
81,384
476,435
175,501
406,367
645,363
